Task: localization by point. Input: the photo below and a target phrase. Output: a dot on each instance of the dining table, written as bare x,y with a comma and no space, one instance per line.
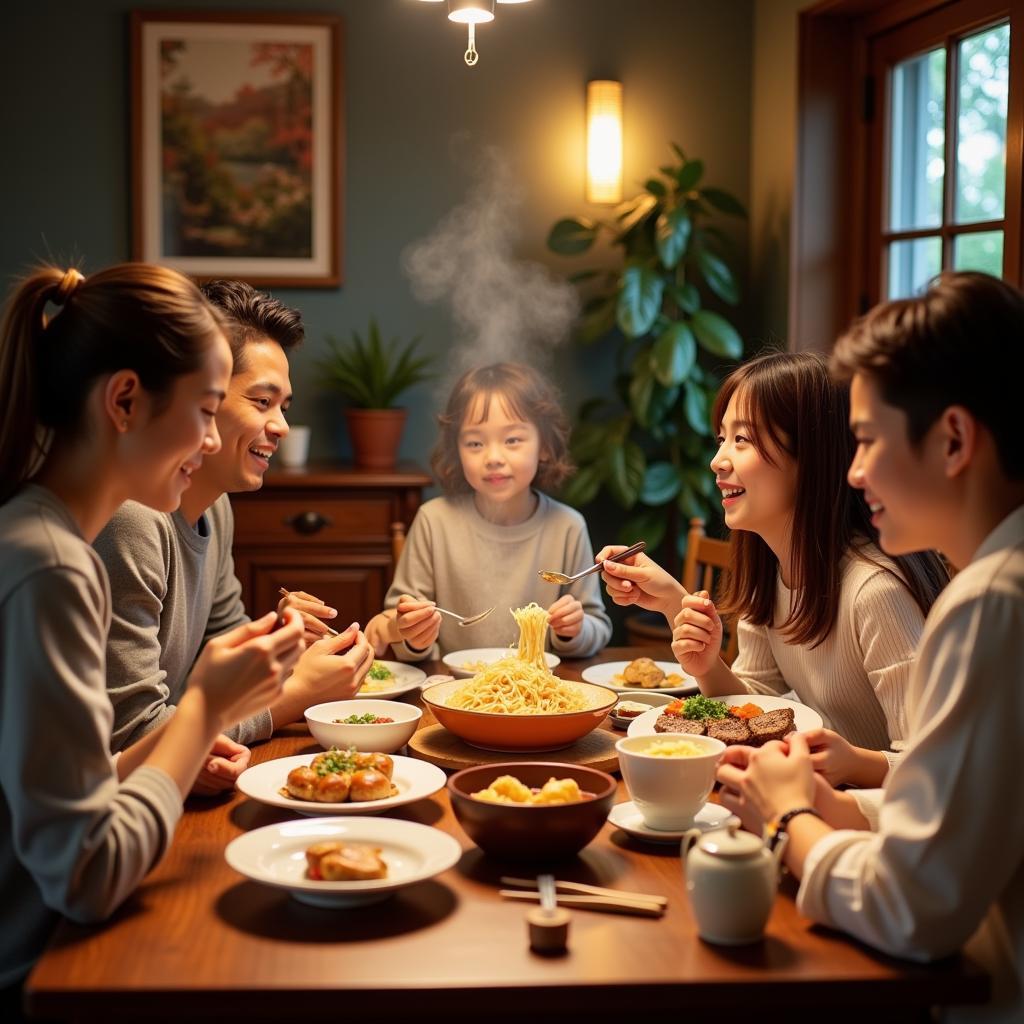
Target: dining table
198,941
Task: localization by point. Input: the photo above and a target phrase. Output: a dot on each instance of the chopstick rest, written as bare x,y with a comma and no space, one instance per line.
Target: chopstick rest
548,929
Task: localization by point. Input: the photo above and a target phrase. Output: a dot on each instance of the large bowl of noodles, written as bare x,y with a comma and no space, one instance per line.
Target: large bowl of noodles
532,714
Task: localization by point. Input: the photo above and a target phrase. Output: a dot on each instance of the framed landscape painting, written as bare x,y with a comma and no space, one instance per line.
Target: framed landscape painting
237,146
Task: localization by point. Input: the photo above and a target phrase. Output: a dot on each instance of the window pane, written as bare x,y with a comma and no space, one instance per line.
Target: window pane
981,125
912,265
916,142
982,250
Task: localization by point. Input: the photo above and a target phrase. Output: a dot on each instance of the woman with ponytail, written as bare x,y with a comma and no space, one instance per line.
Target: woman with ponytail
111,384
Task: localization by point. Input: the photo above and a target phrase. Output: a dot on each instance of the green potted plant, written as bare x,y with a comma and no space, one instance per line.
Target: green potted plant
372,375
647,444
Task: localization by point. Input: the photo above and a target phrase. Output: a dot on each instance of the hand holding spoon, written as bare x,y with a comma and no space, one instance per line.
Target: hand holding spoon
550,576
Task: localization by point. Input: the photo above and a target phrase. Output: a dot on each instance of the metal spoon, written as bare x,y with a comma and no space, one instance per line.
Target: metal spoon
549,576
466,620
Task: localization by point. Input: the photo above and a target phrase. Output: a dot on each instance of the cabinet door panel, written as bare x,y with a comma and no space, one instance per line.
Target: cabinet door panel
355,586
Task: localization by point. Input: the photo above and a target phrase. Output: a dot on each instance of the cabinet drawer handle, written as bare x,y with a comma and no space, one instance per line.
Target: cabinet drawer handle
308,522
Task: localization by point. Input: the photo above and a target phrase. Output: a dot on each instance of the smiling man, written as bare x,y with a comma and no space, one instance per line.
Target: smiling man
937,857
172,574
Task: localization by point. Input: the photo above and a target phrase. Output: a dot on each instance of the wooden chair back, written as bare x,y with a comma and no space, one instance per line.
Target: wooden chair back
706,560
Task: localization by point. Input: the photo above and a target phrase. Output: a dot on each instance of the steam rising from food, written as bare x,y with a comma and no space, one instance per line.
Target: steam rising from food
505,308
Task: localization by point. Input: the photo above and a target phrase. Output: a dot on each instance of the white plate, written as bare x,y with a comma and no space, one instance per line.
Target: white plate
276,855
803,716
414,779
407,677
648,697
457,659
629,819
602,675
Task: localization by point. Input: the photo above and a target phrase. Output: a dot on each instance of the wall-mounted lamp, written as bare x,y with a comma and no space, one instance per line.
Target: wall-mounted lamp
472,13
604,142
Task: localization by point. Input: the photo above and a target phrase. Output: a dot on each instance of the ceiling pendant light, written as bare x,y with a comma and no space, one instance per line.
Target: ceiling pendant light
472,13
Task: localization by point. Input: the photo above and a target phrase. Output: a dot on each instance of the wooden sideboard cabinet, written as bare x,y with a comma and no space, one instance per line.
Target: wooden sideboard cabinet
326,529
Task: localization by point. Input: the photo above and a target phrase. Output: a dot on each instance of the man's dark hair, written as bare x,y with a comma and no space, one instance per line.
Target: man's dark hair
253,316
961,343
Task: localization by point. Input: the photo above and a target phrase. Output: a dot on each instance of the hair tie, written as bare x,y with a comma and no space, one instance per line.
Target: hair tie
68,283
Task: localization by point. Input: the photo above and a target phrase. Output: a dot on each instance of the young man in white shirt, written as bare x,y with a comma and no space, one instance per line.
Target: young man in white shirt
936,859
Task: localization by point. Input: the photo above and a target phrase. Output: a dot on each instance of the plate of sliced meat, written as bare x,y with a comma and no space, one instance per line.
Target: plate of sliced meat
739,719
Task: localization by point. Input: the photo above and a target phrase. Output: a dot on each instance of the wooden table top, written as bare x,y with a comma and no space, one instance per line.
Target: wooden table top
199,940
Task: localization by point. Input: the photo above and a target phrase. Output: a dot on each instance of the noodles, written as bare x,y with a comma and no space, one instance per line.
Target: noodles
533,627
515,687
520,684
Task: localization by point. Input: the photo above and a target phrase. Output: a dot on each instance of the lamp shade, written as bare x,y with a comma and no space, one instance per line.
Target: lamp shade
604,142
471,12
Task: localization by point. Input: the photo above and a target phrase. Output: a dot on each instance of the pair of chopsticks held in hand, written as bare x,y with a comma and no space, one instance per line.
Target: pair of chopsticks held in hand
579,896
310,607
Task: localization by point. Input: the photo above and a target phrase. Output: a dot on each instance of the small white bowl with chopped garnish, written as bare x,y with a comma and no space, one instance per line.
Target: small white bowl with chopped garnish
633,705
383,726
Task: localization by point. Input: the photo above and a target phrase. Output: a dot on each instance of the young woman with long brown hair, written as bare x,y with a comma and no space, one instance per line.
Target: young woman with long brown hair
111,397
821,611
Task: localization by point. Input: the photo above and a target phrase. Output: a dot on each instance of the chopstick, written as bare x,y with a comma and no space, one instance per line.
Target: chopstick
611,904
590,890
330,632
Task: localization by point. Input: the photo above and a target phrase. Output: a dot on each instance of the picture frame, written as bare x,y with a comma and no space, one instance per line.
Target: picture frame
237,128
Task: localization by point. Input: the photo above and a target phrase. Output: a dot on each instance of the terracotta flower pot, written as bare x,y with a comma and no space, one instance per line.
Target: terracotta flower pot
375,434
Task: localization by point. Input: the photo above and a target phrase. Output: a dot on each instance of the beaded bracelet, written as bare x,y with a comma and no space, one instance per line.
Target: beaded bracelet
783,823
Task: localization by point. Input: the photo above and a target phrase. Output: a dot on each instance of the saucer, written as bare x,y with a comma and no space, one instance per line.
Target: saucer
629,819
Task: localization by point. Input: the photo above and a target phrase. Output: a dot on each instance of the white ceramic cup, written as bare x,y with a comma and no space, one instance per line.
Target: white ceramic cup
293,448
668,791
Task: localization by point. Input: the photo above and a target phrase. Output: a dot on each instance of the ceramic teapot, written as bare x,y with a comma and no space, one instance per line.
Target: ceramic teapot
731,878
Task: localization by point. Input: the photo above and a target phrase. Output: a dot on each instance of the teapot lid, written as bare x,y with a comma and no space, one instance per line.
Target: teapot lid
731,842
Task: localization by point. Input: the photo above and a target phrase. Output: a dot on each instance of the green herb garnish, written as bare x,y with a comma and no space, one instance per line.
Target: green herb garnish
699,708
379,671
368,719
336,760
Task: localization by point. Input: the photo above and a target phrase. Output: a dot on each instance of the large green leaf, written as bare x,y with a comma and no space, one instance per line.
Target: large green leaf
582,488
674,354
639,300
662,402
672,232
656,188
716,334
598,323
661,483
571,236
641,387
718,276
724,201
589,440
689,174
695,405
688,297
635,213
626,466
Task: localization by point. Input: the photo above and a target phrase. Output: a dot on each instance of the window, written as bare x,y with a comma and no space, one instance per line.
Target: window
943,160
910,145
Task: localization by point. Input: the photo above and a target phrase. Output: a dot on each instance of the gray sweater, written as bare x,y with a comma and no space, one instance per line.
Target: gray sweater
463,562
73,839
174,587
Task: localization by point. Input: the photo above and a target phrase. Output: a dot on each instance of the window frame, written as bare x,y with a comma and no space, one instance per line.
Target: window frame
942,28
842,111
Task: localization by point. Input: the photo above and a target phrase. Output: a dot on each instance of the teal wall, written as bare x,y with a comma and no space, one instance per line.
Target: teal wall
413,111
